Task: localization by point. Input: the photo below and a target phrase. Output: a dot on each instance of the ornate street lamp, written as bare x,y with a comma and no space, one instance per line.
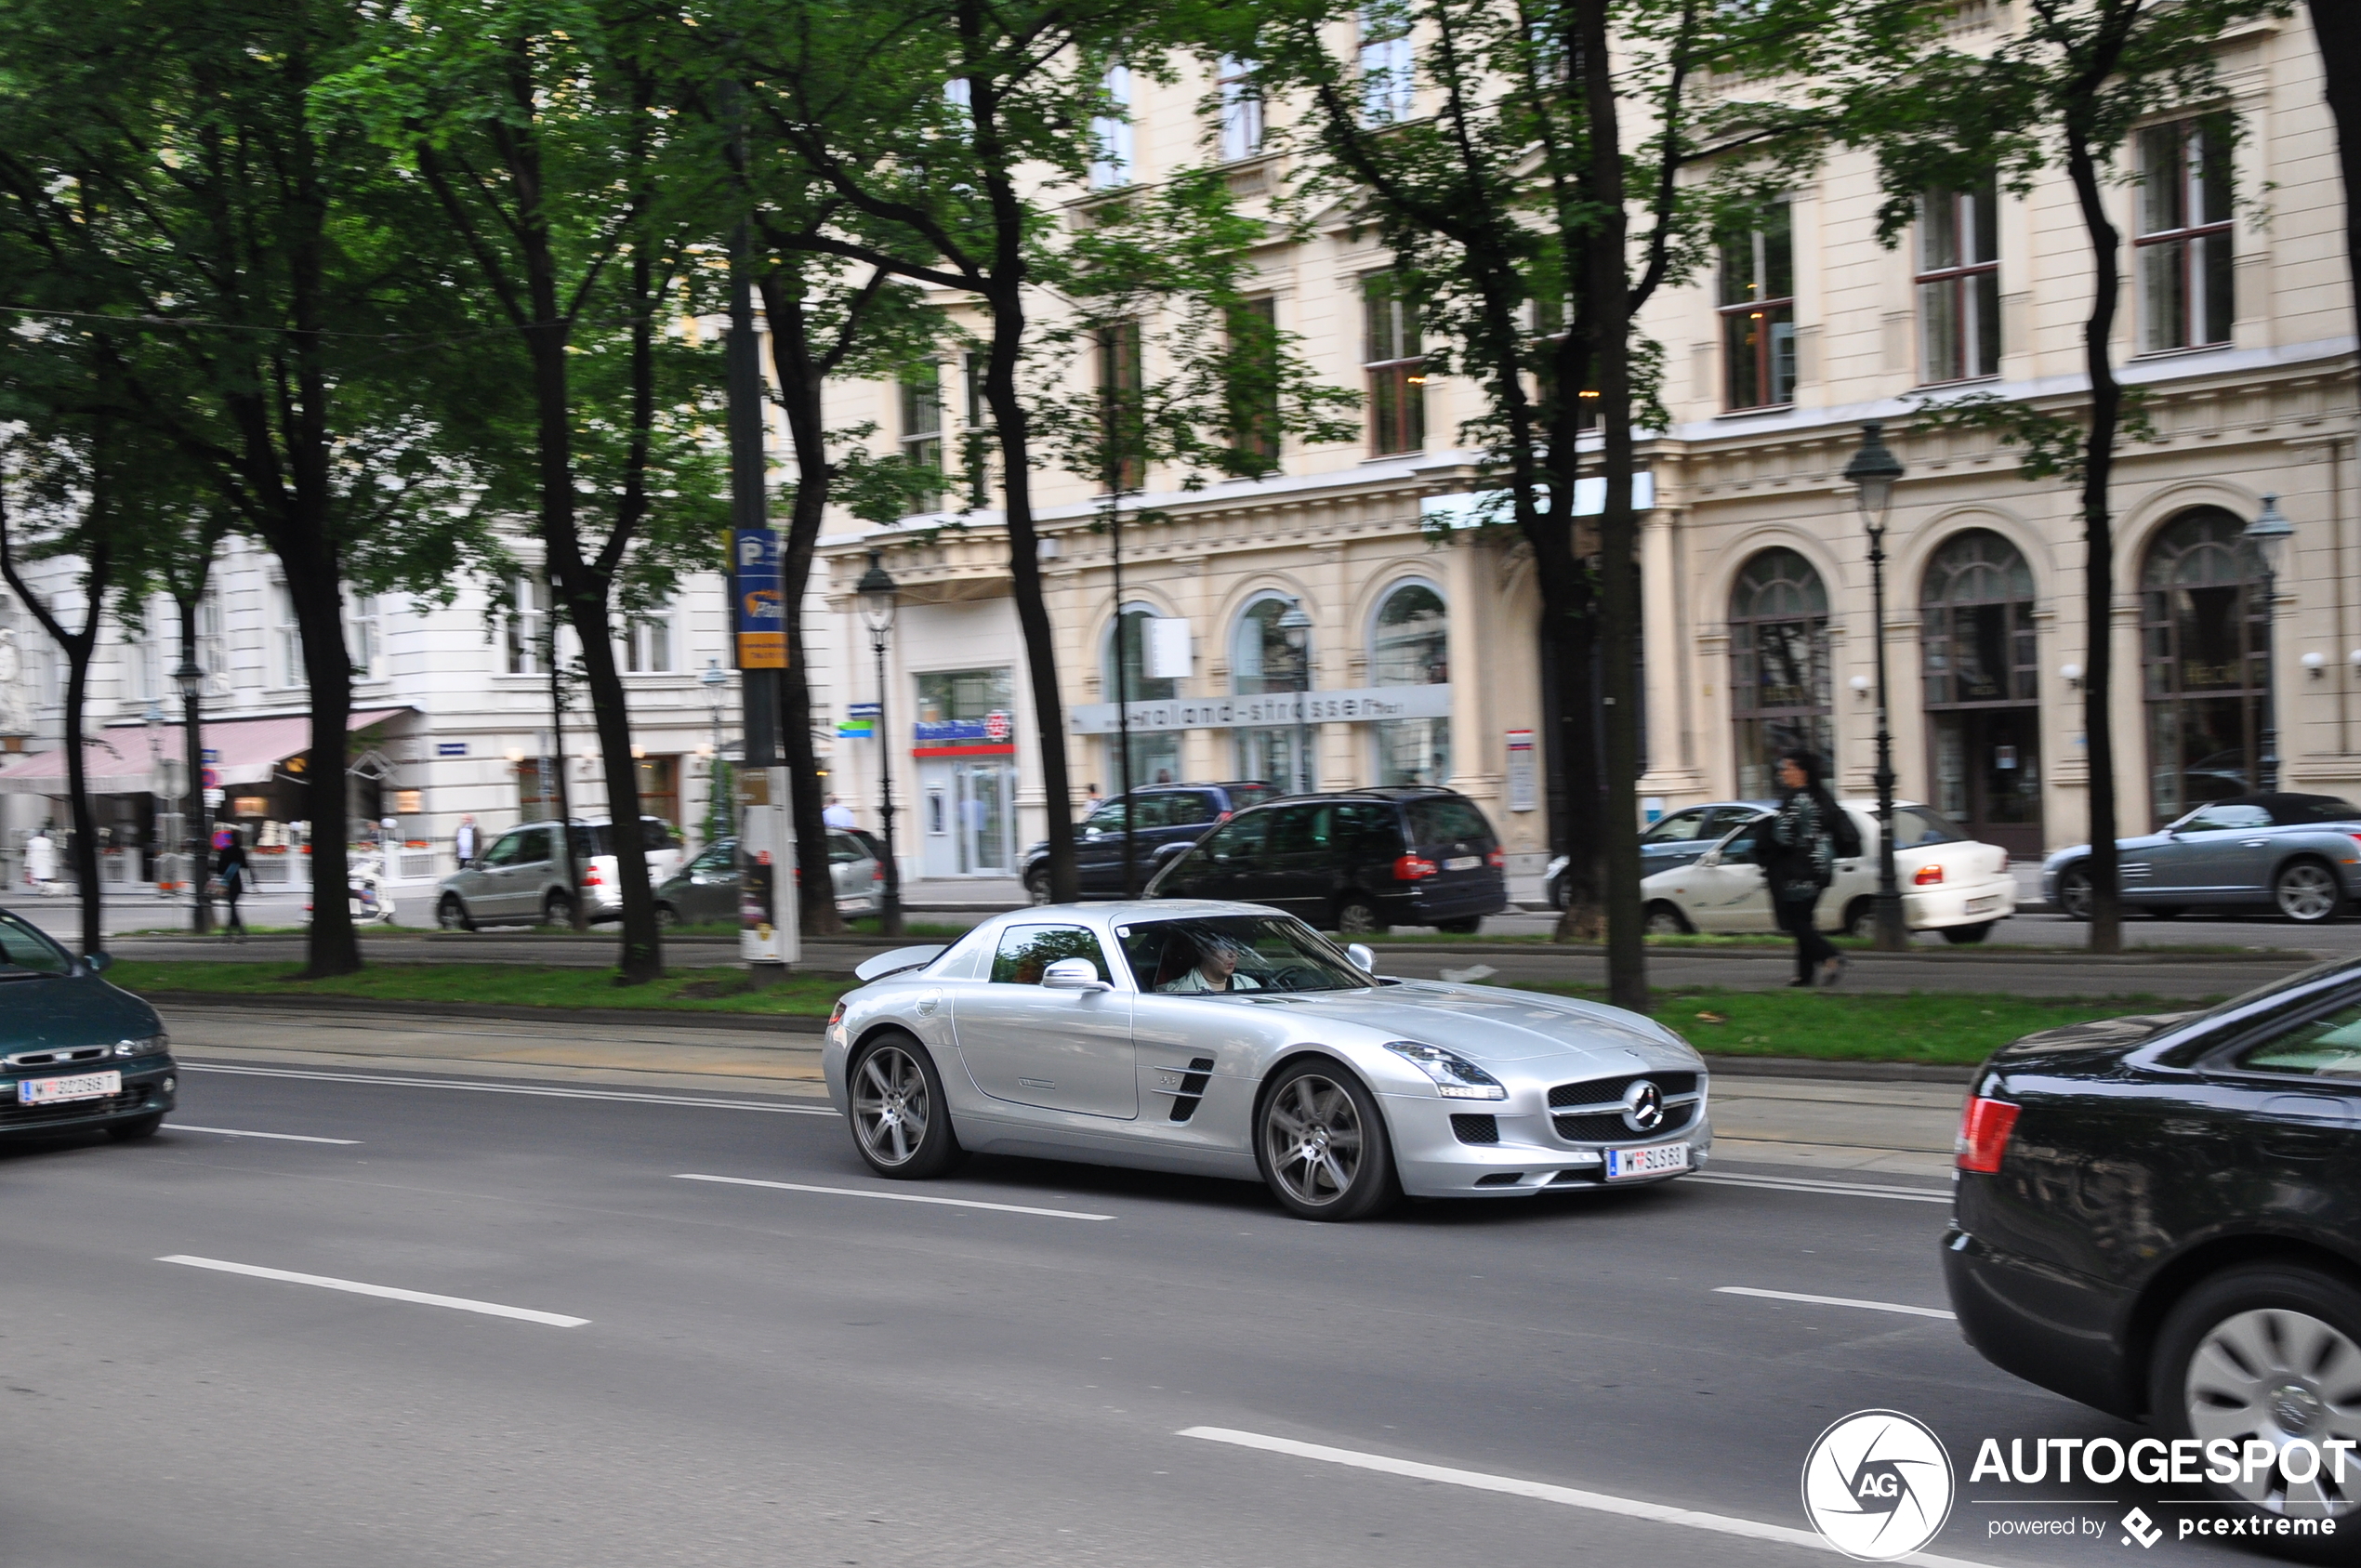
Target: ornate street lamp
1873,471
191,679
2268,536
1295,626
880,597
718,818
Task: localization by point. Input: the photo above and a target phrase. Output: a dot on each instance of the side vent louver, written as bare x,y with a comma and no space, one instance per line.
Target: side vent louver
1192,1091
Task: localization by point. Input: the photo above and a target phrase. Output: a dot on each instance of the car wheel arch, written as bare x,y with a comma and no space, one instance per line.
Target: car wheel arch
2188,1270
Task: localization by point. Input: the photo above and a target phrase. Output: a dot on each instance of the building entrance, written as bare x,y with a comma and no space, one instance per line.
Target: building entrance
1983,714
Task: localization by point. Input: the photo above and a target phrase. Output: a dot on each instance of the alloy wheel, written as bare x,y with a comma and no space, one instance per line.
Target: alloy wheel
2307,892
1311,1136
1665,921
2074,895
451,915
891,1109
1356,918
2274,1373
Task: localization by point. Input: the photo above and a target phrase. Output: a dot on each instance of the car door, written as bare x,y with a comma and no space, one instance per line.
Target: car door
1292,872
2291,1100
1098,849
2218,853
1055,1050
518,856
1729,894
479,887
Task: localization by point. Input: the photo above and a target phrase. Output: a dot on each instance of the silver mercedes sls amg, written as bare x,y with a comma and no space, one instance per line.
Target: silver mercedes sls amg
1229,1039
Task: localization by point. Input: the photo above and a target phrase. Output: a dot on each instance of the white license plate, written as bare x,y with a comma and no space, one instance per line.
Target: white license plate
1979,907
1463,863
82,1086
1623,1163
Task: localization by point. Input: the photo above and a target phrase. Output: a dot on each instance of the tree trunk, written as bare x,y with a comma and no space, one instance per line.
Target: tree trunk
78,647
555,781
642,949
2098,532
318,592
1608,305
1569,640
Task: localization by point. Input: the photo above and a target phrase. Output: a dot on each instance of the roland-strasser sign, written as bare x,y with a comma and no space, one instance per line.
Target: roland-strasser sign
1268,708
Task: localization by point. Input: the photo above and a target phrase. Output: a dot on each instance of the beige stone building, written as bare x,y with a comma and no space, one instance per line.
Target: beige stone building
1421,657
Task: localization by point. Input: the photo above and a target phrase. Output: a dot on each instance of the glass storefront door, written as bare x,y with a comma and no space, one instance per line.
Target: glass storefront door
983,796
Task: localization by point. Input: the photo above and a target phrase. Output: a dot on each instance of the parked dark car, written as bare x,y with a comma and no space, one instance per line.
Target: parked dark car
2156,1215
1355,861
76,1054
1672,841
2300,854
1164,820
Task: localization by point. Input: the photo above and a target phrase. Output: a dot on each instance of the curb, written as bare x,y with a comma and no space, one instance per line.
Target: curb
679,1017
1861,1072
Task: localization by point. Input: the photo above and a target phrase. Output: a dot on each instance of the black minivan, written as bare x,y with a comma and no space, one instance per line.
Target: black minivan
1352,861
1164,821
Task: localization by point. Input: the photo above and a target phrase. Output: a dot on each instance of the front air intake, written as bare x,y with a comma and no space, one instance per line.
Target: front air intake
1476,1129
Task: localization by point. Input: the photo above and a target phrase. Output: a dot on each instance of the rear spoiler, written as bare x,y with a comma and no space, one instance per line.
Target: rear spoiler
900,958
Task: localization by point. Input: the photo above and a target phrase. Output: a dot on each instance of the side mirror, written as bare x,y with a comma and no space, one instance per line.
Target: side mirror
1707,861
1073,974
97,963
1363,959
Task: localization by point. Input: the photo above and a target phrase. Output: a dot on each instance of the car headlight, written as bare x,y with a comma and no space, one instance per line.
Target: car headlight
153,1045
1455,1076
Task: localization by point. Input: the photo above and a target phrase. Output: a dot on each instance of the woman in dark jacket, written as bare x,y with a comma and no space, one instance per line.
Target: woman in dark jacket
1799,863
234,871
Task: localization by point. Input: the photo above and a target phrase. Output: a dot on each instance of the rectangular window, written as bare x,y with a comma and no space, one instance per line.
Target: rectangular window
286,638
660,788
1111,133
1123,459
1757,302
922,427
975,442
525,629
213,644
1253,390
2183,244
1241,108
364,637
1397,371
1959,282
647,642
1389,67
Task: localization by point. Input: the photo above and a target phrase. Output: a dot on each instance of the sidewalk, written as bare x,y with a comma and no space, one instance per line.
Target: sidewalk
1829,1125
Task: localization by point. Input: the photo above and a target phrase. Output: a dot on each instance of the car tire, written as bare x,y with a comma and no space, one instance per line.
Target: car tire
901,1123
2248,1352
1356,916
557,910
1967,936
1860,917
135,1128
668,917
1554,895
1036,886
1665,919
1320,1140
451,915
2075,895
1466,928
2306,892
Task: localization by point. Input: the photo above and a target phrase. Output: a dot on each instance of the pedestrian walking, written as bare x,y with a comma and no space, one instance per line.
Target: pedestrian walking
465,844
41,861
230,869
1799,862
839,814
1091,798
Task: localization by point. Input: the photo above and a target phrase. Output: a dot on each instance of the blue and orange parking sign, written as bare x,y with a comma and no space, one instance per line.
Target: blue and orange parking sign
758,609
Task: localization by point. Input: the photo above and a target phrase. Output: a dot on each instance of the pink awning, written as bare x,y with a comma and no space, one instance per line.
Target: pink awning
117,760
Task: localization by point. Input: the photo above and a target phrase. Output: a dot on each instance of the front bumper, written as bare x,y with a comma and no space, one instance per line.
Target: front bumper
1959,903
151,1085
1434,1162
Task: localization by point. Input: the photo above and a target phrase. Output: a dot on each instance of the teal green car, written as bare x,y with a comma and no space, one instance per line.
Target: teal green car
76,1054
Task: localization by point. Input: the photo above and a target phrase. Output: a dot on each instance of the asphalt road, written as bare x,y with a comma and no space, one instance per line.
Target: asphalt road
1105,1368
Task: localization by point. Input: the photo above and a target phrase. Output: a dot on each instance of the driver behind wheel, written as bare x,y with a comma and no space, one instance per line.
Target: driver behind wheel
1193,965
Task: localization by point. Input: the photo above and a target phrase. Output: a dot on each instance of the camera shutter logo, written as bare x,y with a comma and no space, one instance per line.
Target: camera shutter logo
1877,1485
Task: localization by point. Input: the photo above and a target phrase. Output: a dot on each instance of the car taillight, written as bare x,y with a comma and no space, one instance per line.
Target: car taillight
1496,859
1410,868
590,877
1984,1135
1928,875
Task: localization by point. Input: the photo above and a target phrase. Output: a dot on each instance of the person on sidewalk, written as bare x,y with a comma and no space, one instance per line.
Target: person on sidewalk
230,868
465,845
839,814
1091,798
41,861
1799,862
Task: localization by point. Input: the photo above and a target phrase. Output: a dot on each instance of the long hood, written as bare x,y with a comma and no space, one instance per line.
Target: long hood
1490,1024
70,1010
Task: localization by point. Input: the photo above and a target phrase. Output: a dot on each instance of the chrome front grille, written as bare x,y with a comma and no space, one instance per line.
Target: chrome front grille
58,1056
1592,1111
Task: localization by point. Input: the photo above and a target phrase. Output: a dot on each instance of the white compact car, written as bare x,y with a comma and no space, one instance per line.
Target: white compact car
1950,883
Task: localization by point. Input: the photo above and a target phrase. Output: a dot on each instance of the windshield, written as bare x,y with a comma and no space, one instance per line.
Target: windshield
1233,953
25,952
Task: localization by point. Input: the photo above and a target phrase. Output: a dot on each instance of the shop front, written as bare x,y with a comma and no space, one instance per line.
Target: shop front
963,746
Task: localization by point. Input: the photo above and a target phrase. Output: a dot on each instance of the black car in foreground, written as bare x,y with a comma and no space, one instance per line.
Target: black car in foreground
76,1054
2161,1217
1353,861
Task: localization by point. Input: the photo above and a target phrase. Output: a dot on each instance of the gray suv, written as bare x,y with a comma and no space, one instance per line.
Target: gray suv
521,879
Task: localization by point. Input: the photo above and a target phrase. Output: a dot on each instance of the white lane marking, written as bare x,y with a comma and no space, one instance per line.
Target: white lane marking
505,1088
1600,1502
897,1197
1834,1301
1805,1184
241,1132
490,1309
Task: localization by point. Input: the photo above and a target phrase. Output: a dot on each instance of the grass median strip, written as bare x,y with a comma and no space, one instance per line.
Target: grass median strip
537,985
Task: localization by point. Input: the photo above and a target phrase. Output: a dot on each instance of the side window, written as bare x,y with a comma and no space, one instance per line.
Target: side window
719,858
1106,818
843,849
2227,818
1189,808
1243,840
1027,951
1292,828
1915,828
1678,828
1152,811
1744,848
23,948
536,844
1371,832
508,850
2327,1047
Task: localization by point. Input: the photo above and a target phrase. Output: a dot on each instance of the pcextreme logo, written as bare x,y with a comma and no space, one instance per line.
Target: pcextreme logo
1877,1485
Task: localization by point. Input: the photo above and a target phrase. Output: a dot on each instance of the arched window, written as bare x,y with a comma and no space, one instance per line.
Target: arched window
1262,659
1156,755
1410,645
1983,689
1779,665
2205,662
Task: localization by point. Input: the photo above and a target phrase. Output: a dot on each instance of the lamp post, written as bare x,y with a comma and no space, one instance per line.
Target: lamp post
718,818
1873,471
1295,626
2268,535
199,828
879,597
